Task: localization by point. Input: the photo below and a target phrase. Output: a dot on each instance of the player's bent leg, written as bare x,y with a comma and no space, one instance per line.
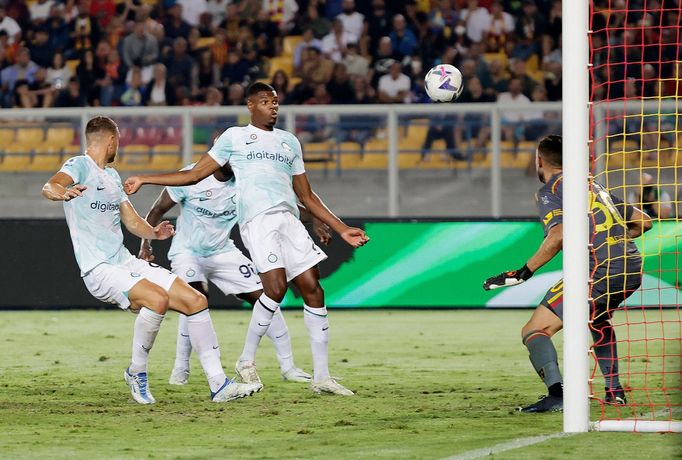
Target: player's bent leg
205,342
274,289
537,335
317,323
183,346
151,301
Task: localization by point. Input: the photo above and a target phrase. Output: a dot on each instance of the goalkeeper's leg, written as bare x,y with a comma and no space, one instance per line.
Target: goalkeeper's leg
536,334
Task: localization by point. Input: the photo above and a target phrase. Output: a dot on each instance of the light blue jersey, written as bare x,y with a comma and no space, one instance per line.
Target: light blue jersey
208,211
94,219
264,163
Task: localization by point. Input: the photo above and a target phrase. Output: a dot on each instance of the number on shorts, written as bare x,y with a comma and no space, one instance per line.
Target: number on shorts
247,270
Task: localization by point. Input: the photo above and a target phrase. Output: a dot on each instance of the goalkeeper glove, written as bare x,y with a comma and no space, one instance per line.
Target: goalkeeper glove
508,278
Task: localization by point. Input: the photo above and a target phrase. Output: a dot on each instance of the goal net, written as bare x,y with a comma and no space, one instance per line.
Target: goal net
635,132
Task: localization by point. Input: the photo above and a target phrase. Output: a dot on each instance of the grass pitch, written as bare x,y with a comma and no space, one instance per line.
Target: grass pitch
430,384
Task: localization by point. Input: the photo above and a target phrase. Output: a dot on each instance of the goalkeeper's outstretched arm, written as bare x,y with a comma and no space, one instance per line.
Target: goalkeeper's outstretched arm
550,247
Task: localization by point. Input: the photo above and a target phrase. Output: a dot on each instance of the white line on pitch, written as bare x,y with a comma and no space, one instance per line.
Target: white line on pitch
505,446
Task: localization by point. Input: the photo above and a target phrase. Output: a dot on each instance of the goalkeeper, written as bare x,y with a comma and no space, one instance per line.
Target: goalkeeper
615,265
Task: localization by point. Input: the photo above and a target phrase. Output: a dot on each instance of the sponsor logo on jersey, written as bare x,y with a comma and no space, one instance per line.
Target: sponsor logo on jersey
101,206
230,213
279,157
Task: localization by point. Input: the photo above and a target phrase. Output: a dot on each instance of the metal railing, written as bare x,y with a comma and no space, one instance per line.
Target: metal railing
392,114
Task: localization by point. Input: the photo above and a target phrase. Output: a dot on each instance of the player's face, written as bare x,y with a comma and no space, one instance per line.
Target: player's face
263,107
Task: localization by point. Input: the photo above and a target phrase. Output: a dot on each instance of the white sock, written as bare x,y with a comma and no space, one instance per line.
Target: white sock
146,327
279,334
183,346
316,321
261,317
205,343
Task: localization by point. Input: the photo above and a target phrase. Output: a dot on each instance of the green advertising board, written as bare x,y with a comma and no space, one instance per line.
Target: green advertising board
444,264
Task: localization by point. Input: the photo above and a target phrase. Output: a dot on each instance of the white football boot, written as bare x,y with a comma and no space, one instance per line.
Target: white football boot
329,385
247,371
179,376
233,390
139,387
296,375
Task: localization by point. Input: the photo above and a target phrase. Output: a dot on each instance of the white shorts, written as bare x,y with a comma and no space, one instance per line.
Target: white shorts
111,283
231,271
279,240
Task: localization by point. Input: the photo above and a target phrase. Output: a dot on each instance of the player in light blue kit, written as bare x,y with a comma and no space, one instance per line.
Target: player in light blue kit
95,205
270,177
202,251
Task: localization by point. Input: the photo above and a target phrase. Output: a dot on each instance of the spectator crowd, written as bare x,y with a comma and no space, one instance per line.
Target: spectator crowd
190,52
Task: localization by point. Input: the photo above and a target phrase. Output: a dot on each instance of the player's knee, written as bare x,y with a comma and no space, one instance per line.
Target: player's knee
313,293
276,290
158,301
192,301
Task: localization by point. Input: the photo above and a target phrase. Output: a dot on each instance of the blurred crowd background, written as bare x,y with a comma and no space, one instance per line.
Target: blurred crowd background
205,52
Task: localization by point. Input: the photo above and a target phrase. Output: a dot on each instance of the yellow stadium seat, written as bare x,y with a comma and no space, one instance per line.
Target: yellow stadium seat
349,155
376,146
16,159
166,157
135,157
6,137
622,153
522,160
60,136
374,161
46,157
285,63
409,160
319,155
290,43
72,150
30,137
436,161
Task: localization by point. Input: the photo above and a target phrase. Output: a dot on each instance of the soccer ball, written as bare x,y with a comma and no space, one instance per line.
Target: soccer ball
443,83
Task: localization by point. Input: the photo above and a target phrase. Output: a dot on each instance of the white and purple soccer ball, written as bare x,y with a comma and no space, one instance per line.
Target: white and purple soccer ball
443,83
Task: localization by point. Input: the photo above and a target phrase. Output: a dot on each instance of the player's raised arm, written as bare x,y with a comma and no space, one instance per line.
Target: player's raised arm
356,237
141,228
204,168
161,206
58,188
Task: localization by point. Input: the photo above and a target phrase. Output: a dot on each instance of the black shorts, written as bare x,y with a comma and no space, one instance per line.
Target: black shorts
607,294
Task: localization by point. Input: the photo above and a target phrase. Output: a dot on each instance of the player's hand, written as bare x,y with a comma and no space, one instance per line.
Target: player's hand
508,278
356,237
164,230
146,252
132,184
322,231
73,192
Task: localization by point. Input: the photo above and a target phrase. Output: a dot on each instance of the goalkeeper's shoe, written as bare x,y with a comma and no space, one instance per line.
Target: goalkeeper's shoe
508,278
179,376
547,403
247,371
231,390
296,375
329,385
139,387
615,396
